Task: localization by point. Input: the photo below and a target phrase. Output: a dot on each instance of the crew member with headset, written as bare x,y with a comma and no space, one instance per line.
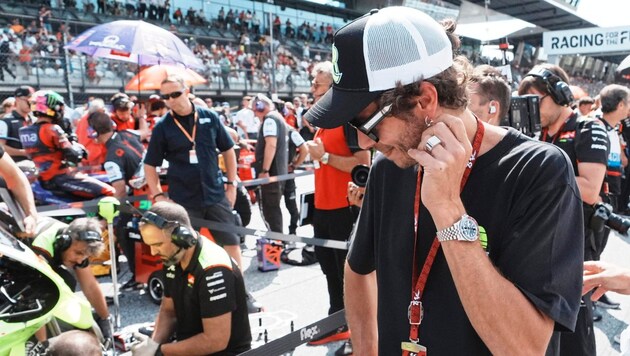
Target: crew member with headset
586,143
124,153
271,159
204,301
67,249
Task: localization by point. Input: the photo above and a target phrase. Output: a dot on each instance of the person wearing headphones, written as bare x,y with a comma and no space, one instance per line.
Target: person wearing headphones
204,301
586,143
271,159
67,249
489,94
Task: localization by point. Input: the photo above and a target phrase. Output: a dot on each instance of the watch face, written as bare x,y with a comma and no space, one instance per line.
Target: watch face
469,229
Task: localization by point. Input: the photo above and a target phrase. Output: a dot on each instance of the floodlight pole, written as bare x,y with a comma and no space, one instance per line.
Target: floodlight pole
66,70
272,87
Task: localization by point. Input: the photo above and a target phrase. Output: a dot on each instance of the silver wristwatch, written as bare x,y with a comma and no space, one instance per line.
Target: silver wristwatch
465,229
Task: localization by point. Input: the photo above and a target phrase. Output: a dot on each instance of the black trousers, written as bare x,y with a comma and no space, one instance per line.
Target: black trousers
291,204
127,245
334,225
269,196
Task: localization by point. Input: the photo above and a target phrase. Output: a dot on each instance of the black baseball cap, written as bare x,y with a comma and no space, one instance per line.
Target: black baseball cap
374,53
24,90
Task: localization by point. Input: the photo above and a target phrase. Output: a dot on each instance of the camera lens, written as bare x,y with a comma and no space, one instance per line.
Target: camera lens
618,223
360,175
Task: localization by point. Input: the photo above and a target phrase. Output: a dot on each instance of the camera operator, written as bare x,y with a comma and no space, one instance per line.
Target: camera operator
586,143
489,94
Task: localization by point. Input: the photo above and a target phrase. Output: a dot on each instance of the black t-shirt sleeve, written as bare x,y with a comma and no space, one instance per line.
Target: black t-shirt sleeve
157,146
541,247
592,144
1,151
361,254
217,293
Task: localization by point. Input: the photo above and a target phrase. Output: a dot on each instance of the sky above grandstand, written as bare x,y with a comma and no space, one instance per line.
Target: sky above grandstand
605,13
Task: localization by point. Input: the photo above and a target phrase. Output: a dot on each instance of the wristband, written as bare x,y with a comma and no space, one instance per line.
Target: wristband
159,194
264,171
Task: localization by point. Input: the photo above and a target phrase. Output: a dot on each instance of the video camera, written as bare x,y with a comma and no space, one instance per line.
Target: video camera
604,215
524,114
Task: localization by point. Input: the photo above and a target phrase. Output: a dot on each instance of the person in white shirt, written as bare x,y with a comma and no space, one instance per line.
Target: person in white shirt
247,121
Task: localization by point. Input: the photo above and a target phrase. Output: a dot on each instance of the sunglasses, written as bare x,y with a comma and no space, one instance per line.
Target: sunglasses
367,127
174,95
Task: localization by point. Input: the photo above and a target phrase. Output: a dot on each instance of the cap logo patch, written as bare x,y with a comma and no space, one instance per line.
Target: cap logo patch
336,73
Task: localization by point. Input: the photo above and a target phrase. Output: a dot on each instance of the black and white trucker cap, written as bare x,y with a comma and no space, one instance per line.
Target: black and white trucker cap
373,53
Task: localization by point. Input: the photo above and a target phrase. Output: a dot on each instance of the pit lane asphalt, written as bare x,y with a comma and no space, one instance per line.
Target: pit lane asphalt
298,294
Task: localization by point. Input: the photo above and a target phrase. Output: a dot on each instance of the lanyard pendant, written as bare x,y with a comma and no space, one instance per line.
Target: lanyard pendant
192,155
411,348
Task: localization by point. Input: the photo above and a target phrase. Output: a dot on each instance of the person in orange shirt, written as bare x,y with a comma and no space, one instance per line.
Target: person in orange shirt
17,27
289,115
337,152
121,112
86,137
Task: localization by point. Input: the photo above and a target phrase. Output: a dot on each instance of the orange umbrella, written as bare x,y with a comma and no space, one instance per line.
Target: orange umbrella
151,78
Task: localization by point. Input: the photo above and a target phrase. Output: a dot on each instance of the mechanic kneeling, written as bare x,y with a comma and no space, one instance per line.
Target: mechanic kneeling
67,249
204,301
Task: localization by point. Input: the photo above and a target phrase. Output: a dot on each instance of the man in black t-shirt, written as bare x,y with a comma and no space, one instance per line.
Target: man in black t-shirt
204,299
586,143
124,153
501,272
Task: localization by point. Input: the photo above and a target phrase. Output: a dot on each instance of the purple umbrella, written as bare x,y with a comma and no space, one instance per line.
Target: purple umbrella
134,41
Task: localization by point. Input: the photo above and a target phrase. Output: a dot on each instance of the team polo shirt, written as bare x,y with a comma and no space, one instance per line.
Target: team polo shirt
124,153
583,141
191,185
9,127
273,125
331,184
210,286
614,168
124,125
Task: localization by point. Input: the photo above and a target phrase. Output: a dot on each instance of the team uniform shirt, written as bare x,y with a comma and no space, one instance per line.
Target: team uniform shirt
45,245
124,154
614,169
331,183
10,126
272,125
191,185
96,151
585,140
124,125
210,286
295,140
518,192
44,143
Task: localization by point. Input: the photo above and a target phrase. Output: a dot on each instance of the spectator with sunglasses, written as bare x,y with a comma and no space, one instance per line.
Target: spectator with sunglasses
337,152
190,137
67,249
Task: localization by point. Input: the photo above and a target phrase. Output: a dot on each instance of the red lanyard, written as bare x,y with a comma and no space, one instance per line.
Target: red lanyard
194,130
416,311
545,131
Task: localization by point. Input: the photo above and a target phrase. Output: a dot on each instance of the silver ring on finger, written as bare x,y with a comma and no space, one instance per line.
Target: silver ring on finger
431,143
